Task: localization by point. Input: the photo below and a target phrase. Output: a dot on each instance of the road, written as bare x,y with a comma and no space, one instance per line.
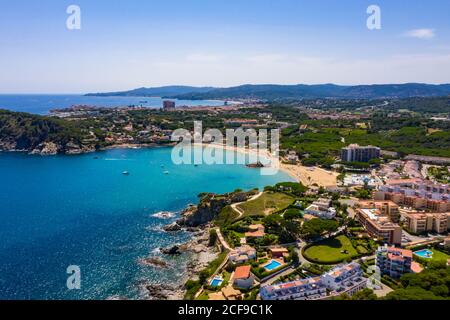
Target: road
234,206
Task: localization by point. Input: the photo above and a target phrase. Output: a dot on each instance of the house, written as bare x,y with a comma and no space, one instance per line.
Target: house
321,209
255,231
243,277
242,254
279,252
230,293
292,157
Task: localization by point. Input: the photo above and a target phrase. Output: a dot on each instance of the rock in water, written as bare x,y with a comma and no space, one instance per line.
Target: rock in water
175,250
154,262
174,227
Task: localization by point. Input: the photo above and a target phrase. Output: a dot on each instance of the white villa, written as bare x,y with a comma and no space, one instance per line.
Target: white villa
242,254
322,209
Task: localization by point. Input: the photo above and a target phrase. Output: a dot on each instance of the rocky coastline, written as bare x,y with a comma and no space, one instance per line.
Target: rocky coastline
196,219
72,148
200,255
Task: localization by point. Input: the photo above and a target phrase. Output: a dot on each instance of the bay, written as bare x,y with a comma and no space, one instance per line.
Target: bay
81,210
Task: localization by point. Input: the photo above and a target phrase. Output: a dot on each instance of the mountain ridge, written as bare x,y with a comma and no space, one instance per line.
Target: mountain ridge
298,91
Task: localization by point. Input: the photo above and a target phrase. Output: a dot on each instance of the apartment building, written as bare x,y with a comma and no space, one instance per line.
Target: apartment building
394,262
355,153
388,208
305,289
379,225
347,279
421,222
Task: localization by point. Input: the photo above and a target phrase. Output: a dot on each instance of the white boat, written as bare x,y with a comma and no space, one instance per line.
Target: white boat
166,172
126,173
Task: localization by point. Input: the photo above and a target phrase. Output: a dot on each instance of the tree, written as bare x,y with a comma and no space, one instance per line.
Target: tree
365,294
411,294
317,227
212,237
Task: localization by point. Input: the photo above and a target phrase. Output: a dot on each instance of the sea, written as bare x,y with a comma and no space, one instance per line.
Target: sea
42,103
83,211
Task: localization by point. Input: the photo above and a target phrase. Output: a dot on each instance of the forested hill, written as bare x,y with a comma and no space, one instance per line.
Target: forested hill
27,132
300,91
155,92
271,92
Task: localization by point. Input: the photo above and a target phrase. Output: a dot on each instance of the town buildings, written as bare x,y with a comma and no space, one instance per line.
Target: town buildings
416,194
321,209
422,222
394,262
355,153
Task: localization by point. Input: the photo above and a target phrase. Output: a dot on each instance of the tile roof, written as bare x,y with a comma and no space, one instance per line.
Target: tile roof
242,272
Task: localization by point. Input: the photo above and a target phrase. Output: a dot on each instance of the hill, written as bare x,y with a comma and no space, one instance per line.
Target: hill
273,92
299,91
155,92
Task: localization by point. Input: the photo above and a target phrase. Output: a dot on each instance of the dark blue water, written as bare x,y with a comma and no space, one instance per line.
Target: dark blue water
77,210
41,104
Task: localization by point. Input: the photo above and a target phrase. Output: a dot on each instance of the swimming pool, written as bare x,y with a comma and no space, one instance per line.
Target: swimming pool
272,265
216,282
425,253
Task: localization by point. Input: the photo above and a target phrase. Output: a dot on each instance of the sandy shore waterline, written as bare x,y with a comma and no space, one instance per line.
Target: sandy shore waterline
306,175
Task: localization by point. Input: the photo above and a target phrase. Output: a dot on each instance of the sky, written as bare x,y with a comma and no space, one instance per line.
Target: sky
128,44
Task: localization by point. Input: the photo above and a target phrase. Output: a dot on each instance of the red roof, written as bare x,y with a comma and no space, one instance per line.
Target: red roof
403,252
242,272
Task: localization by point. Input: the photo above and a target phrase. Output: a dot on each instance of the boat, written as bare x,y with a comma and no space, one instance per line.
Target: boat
166,172
126,173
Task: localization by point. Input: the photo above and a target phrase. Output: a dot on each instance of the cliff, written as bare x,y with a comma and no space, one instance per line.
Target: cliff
210,206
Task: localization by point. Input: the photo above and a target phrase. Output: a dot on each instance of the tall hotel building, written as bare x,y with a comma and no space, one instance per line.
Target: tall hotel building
355,153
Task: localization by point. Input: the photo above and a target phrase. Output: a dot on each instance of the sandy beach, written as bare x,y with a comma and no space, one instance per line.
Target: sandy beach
306,175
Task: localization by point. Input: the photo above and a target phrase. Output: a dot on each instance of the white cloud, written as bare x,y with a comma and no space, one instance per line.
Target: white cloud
421,34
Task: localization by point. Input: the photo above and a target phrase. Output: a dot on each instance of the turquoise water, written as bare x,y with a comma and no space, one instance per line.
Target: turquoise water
272,265
427,254
78,210
41,104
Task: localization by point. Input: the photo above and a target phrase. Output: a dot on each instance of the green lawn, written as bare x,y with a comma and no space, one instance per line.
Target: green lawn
331,251
266,204
439,255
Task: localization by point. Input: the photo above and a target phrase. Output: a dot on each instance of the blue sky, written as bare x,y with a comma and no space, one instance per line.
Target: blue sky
134,43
